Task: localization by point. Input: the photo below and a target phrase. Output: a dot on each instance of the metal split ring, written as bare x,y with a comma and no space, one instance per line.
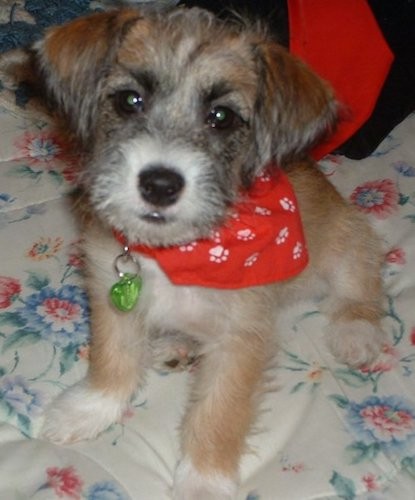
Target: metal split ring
126,258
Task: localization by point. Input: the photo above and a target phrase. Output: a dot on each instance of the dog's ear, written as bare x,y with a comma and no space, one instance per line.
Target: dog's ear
72,60
294,109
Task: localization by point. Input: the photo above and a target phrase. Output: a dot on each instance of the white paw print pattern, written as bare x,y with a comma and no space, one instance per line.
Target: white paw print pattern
297,251
282,236
287,204
250,261
262,211
264,178
235,215
189,247
245,235
218,254
215,236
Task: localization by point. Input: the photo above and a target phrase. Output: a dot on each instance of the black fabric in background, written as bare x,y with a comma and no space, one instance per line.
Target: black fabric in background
396,19
274,12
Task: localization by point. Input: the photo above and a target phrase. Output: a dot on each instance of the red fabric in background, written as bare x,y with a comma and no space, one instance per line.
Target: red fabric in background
341,41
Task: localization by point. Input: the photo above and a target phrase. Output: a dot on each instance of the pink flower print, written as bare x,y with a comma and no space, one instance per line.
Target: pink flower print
60,312
41,148
60,316
386,362
388,420
46,149
296,468
76,260
396,256
315,374
83,352
72,172
127,414
45,248
379,198
9,291
76,255
65,482
371,482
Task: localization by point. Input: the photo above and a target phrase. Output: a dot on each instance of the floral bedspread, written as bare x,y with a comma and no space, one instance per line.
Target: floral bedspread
327,431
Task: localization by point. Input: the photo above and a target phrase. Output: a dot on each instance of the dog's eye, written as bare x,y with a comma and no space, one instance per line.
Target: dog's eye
221,118
128,102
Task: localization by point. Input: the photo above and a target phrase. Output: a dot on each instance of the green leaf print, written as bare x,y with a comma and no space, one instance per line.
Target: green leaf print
21,338
344,486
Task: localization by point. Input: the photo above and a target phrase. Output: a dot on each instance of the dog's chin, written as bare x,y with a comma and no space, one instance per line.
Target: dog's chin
155,229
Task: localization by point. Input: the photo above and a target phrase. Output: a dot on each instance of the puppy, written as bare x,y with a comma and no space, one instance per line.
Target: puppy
189,121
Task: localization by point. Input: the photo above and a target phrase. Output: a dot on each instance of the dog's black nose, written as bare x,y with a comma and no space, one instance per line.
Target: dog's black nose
160,185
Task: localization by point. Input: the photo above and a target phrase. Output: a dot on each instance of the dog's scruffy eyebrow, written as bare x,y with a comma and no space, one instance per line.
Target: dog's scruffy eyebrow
217,90
146,78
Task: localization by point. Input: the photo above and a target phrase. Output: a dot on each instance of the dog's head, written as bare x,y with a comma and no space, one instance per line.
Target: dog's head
180,110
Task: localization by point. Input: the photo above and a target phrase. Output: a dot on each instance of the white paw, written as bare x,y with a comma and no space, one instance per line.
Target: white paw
189,484
355,343
79,413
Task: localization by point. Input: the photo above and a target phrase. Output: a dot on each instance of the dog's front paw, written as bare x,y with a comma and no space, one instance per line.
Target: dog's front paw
190,484
356,343
79,413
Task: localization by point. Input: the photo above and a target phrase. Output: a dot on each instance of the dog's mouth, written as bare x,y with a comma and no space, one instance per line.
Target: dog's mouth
154,217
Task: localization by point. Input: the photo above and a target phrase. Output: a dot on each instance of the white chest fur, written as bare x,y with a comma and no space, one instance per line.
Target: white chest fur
196,311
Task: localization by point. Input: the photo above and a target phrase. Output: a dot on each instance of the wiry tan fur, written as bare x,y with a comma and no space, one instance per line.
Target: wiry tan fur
185,62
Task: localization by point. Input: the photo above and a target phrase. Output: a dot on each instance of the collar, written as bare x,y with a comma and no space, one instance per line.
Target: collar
260,243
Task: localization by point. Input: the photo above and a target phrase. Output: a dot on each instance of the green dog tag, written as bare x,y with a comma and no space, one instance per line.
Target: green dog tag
125,293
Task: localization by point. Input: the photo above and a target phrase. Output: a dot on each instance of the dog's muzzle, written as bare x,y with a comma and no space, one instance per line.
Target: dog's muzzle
160,186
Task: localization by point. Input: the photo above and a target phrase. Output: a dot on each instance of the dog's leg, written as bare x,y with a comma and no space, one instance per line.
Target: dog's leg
116,369
355,309
117,363
346,254
222,410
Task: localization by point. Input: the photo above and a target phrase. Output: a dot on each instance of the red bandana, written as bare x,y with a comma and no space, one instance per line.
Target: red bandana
261,242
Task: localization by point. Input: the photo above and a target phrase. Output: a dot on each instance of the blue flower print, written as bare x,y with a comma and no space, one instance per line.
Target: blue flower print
36,209
60,316
253,496
6,200
105,490
45,13
387,421
19,398
404,168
